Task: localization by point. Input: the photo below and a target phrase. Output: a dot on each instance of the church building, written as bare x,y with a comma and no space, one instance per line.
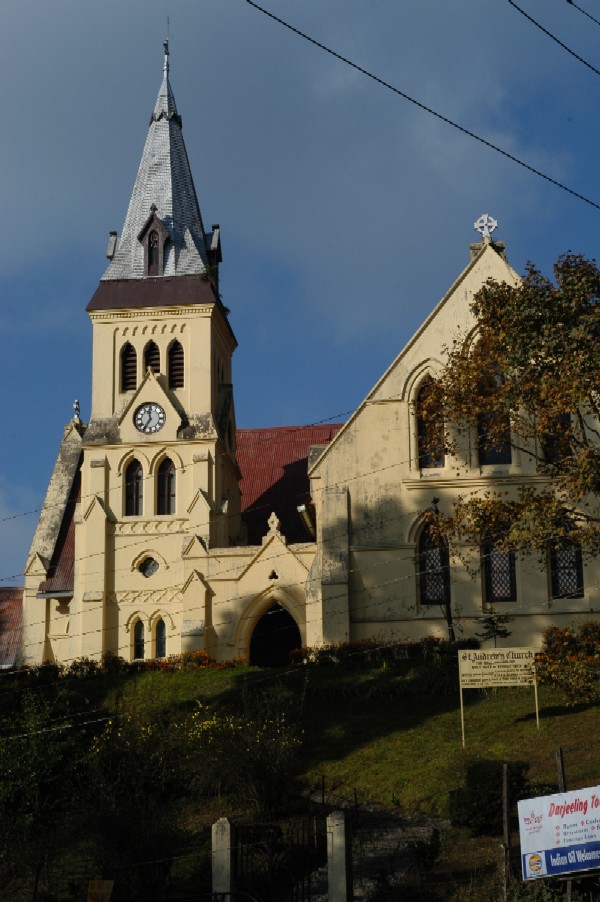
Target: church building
167,529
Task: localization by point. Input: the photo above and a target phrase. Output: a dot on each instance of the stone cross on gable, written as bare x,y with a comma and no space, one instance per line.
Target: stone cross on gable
485,225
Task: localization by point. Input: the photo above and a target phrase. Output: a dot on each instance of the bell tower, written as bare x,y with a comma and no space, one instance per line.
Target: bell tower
157,461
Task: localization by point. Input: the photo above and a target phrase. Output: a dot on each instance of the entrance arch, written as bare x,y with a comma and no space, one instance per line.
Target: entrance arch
275,635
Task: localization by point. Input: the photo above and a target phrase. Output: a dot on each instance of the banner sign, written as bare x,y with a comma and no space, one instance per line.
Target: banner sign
560,833
480,668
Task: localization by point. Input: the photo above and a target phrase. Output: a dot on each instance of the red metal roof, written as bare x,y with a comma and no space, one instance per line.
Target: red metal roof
11,621
274,465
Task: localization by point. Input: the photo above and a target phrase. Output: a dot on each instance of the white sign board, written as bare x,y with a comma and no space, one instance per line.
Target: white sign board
560,833
480,668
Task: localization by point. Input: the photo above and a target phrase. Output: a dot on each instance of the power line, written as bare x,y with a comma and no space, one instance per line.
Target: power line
422,106
583,11
554,38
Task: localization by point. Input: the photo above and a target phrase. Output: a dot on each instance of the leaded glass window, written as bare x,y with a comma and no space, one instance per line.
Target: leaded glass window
566,570
434,570
499,574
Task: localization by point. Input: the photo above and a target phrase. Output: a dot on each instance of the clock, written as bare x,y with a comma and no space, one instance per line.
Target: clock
149,418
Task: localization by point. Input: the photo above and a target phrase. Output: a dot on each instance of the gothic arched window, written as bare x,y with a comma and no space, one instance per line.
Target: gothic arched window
493,427
128,367
430,428
434,570
165,497
134,489
160,637
176,361
138,640
152,357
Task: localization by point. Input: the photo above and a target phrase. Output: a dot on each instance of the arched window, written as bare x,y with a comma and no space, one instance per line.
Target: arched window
556,444
493,438
176,360
499,577
134,489
566,569
128,367
430,428
153,253
160,635
152,357
165,497
138,640
434,570
493,426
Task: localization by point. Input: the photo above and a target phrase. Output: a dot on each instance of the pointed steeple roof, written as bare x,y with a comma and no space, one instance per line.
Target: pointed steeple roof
163,189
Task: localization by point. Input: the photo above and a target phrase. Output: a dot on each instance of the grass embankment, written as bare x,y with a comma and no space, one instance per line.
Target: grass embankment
364,733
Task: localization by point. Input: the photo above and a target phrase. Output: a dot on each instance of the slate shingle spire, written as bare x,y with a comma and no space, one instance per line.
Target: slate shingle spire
163,190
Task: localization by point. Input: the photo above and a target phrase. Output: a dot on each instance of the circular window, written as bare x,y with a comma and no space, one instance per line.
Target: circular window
148,567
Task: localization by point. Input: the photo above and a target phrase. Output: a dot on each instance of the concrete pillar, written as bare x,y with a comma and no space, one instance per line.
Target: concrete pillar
339,858
222,856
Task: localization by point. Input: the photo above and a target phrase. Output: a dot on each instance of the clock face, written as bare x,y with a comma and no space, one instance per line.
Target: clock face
149,418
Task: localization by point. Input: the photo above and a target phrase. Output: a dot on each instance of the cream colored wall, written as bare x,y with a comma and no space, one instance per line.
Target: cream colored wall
200,331
374,460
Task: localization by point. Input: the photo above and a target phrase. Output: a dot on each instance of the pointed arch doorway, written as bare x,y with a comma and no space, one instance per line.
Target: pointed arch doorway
275,635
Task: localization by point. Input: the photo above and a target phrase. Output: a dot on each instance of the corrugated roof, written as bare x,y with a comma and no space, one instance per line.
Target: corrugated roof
274,465
11,622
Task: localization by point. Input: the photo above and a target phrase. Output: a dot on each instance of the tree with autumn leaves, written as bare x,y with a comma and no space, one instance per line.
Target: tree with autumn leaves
528,375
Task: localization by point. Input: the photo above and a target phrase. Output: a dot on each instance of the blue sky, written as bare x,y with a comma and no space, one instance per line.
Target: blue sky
346,212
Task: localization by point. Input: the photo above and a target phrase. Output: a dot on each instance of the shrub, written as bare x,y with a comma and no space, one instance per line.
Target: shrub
477,804
570,661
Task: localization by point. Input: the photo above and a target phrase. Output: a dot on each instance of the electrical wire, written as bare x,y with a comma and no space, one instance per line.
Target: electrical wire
554,38
425,108
583,11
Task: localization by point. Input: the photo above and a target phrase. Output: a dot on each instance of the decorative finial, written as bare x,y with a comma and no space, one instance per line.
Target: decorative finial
166,48
76,410
485,225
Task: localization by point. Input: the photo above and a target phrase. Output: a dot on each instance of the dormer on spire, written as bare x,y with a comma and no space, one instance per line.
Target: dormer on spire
153,237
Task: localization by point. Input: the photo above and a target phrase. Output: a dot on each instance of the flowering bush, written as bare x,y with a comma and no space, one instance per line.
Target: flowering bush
570,661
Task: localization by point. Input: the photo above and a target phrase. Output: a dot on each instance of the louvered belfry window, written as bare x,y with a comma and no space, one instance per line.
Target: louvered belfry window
176,378
153,254
152,357
434,570
128,367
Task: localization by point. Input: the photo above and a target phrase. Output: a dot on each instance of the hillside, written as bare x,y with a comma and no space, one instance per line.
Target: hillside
131,766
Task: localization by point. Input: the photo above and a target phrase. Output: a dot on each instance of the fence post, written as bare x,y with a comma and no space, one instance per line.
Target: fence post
339,858
223,853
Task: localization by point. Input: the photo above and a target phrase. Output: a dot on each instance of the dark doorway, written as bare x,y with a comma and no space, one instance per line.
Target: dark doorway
274,637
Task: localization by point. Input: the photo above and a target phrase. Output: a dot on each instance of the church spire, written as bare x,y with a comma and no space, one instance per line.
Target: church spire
163,203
